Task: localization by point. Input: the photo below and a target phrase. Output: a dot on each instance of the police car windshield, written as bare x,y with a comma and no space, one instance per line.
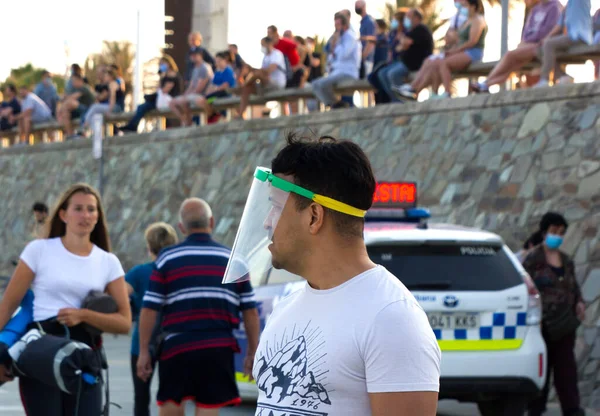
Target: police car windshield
448,266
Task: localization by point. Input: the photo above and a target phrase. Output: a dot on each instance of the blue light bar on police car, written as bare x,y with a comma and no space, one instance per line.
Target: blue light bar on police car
394,214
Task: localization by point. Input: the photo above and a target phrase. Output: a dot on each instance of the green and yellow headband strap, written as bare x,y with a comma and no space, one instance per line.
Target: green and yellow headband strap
264,175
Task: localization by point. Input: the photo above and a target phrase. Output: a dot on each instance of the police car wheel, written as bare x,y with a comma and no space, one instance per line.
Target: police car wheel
508,406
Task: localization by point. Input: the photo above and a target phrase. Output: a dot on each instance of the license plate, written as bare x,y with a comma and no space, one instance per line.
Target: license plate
453,320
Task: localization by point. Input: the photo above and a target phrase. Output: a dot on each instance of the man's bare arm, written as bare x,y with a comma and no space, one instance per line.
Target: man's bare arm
422,403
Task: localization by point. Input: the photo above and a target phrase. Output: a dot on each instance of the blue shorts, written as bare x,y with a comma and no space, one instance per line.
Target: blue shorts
476,54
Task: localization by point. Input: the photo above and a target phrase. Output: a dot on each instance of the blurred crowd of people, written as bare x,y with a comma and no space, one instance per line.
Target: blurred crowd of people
398,58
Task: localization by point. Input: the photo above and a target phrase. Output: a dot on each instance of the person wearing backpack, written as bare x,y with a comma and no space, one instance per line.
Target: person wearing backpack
294,70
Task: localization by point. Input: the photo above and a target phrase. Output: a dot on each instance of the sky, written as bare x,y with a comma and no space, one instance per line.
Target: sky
81,25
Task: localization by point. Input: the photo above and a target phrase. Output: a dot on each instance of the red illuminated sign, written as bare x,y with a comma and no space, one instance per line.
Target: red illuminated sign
395,194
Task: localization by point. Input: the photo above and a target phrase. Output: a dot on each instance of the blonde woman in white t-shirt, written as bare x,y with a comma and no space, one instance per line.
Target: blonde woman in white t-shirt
61,270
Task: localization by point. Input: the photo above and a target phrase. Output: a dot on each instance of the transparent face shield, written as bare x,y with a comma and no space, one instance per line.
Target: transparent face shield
250,255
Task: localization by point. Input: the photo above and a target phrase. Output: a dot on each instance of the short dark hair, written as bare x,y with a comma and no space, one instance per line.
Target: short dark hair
196,51
338,169
534,239
267,39
224,55
341,16
10,86
40,207
272,28
381,24
45,73
478,5
552,218
417,12
300,40
233,45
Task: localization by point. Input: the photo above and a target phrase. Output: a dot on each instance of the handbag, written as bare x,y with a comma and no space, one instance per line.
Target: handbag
563,321
98,302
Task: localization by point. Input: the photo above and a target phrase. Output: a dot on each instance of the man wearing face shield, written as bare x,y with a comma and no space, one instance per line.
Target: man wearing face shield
553,273
353,340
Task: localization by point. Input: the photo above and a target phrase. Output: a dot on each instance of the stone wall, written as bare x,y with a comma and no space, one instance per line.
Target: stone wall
493,161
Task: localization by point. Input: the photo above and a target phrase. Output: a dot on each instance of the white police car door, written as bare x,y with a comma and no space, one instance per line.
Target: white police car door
474,296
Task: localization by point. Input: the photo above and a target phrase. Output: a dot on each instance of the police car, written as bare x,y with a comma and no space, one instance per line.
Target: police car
482,306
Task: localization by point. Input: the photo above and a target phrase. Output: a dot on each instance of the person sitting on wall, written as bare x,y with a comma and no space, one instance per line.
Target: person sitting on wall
345,54
33,110
10,106
223,80
574,27
539,24
202,75
270,77
471,41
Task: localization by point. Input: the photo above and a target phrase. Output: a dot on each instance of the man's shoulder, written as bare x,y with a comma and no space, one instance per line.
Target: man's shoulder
384,288
276,54
368,22
188,249
286,42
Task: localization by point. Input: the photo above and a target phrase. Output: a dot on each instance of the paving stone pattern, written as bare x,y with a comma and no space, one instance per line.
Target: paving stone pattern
497,162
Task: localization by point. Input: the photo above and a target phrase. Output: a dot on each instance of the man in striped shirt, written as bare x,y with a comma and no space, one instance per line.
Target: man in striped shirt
199,314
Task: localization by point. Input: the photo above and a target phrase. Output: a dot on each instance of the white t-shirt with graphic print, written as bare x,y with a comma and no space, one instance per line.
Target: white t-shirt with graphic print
63,279
323,351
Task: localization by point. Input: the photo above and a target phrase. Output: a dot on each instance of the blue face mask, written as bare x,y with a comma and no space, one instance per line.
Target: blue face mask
394,25
457,5
464,11
553,241
163,68
407,23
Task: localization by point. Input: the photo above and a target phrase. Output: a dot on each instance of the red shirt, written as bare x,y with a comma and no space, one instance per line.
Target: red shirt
288,48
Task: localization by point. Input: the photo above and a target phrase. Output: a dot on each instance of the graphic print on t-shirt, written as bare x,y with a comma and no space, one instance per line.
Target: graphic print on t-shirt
292,374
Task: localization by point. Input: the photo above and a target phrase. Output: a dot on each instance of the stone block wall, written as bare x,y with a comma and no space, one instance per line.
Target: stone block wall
497,162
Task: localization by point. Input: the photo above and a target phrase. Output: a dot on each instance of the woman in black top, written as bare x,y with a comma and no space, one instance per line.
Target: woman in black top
110,97
170,83
563,309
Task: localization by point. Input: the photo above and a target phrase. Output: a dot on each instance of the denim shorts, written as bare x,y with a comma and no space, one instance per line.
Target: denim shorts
476,54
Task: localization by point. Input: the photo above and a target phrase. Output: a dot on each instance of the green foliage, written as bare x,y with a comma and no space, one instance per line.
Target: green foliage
113,52
29,76
320,48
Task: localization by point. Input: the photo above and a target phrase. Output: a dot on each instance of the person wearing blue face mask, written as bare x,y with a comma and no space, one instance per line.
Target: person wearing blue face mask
170,83
468,50
412,50
553,273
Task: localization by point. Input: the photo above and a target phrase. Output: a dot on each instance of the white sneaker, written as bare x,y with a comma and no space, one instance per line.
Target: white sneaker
400,88
405,91
566,79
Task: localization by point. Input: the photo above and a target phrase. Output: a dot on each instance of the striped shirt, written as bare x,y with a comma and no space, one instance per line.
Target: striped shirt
199,311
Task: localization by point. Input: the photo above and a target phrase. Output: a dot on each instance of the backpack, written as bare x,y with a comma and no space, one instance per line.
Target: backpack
289,74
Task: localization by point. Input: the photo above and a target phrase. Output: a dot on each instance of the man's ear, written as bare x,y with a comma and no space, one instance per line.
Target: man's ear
181,228
212,223
317,217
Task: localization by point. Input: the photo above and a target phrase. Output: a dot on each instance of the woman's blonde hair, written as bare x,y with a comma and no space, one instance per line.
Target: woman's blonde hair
170,61
57,228
160,235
